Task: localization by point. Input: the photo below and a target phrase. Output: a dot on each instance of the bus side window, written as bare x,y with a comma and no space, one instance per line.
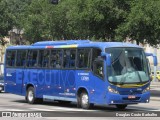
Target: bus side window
83,58
21,58
32,58
10,58
95,54
69,58
45,61
56,59
98,68
43,58
40,58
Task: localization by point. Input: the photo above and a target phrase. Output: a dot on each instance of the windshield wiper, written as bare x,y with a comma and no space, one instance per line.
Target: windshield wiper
139,77
122,81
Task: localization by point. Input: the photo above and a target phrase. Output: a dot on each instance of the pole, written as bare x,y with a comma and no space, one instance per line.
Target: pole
155,67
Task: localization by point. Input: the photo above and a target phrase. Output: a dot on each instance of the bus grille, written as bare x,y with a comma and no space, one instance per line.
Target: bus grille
129,93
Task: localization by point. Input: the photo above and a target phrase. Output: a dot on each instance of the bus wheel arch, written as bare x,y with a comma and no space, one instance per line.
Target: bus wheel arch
83,99
31,96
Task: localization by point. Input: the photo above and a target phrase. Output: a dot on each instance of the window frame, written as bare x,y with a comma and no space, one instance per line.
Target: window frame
28,67
38,67
56,49
6,60
25,58
74,68
95,73
89,60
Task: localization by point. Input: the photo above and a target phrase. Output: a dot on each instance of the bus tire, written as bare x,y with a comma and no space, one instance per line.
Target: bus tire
78,102
84,101
30,97
121,106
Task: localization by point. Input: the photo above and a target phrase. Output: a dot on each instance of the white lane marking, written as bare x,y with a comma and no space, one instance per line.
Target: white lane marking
59,109
14,110
40,109
144,109
69,109
155,110
12,105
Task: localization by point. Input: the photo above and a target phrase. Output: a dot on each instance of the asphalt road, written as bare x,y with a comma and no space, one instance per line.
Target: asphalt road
155,93
54,110
15,103
155,89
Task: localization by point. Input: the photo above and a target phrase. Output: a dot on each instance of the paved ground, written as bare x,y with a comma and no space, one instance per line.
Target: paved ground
15,103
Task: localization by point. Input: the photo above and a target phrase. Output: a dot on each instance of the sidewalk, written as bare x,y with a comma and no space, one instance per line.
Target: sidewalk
155,84
155,98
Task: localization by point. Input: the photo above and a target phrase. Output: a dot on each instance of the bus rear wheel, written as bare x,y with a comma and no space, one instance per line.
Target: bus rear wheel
84,101
30,97
121,106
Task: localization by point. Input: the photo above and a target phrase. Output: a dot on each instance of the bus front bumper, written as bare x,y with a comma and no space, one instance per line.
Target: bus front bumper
113,98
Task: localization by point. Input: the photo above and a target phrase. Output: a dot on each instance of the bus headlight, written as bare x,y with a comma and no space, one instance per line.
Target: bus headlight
112,90
146,89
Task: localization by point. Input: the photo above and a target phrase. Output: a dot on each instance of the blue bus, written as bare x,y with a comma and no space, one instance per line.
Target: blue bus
81,71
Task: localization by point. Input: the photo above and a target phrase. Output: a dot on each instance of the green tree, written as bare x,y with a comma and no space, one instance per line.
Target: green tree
142,23
74,19
96,18
6,21
38,21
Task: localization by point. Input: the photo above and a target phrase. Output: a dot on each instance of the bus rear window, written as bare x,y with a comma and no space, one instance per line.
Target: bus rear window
10,58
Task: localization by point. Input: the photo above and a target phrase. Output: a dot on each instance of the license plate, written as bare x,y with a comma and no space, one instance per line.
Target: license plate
131,97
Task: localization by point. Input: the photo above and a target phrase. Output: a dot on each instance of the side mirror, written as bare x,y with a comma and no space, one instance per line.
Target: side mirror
149,66
108,59
154,58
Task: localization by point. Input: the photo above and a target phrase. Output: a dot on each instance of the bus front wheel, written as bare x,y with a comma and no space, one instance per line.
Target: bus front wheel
121,106
84,101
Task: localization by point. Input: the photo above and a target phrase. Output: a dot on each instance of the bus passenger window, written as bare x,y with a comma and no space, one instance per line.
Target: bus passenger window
69,58
83,58
45,62
10,58
21,58
43,58
56,59
95,54
32,58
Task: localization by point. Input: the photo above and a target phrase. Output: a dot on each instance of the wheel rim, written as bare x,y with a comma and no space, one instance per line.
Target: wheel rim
30,96
84,99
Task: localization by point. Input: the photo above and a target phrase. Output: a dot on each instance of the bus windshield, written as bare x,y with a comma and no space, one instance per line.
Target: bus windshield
128,66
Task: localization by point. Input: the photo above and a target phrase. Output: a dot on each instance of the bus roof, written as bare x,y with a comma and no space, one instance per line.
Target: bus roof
73,44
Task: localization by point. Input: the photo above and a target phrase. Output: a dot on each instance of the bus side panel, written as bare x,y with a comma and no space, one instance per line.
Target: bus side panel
11,85
44,83
84,80
19,81
58,85
69,83
100,89
30,78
